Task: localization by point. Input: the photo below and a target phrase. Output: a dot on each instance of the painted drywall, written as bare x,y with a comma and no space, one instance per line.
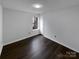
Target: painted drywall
17,25
1,29
41,24
63,23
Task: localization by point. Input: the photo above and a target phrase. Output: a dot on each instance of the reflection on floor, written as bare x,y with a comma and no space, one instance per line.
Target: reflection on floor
37,47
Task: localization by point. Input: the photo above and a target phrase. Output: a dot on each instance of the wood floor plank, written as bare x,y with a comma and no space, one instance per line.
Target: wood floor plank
37,47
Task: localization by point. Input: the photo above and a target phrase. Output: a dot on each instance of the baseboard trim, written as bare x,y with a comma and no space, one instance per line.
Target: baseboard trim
61,44
19,39
30,34
15,43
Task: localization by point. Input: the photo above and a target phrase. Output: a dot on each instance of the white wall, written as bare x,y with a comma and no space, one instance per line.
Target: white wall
63,23
41,24
1,29
17,25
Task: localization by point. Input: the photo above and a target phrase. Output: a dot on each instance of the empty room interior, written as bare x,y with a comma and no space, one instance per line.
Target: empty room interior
39,29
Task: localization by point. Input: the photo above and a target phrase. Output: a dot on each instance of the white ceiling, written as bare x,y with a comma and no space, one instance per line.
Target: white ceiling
26,5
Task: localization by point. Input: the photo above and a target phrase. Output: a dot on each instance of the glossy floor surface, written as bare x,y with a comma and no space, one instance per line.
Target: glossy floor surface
37,47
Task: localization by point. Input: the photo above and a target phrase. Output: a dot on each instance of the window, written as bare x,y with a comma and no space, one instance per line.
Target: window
35,22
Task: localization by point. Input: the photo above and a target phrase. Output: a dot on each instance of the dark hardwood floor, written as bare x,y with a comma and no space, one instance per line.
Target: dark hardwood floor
37,47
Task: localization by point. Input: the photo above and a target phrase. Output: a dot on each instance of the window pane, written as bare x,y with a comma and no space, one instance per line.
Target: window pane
35,23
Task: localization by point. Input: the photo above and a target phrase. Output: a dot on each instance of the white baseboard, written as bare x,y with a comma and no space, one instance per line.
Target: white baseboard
30,34
53,39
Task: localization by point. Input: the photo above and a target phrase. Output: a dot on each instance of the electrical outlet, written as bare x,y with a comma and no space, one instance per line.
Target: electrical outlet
55,36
